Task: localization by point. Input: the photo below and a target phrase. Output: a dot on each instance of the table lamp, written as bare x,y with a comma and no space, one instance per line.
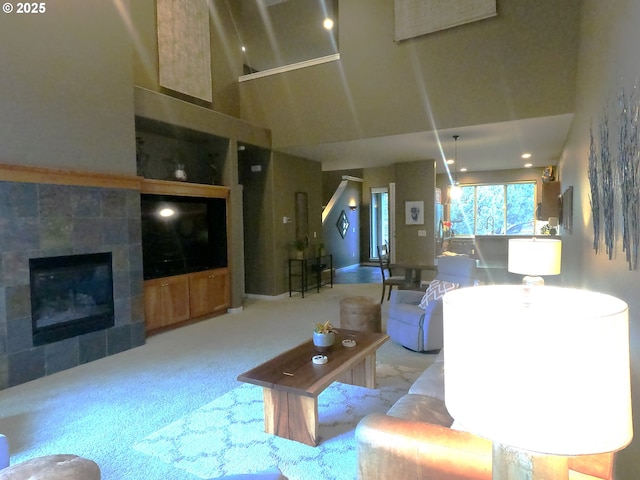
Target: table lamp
548,385
534,257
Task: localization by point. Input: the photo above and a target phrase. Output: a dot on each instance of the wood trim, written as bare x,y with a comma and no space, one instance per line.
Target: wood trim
27,174
167,187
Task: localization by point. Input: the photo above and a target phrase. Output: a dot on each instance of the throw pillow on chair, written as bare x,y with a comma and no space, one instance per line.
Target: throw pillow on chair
436,290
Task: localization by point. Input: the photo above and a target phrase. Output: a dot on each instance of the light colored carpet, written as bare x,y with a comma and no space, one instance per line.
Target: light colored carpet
227,435
101,409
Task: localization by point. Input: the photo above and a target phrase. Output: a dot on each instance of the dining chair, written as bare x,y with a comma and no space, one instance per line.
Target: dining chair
388,279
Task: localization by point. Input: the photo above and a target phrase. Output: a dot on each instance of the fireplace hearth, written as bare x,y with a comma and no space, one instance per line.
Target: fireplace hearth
70,295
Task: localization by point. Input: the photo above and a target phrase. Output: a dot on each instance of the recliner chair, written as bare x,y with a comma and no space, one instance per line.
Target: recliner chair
420,329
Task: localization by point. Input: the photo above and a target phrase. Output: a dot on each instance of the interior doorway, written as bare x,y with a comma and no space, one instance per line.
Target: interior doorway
379,225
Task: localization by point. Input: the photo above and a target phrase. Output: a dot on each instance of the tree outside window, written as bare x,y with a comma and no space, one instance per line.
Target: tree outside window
501,209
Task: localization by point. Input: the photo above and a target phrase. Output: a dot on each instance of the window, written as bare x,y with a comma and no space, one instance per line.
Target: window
502,209
379,219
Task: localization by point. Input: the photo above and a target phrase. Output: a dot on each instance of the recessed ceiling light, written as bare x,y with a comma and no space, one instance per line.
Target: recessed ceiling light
450,161
526,155
528,165
243,48
463,169
328,23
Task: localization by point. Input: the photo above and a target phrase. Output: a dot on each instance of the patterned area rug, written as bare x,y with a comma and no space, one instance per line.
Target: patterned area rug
227,435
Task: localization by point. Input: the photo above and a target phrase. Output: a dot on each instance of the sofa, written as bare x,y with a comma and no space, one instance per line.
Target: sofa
415,439
419,328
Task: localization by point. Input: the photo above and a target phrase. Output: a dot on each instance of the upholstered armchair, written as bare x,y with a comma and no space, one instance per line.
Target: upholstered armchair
420,328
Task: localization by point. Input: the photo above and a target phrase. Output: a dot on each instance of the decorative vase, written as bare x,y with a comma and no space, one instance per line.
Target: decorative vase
324,340
180,173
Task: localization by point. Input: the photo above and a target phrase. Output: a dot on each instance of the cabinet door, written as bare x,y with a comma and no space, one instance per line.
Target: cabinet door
221,290
166,301
550,205
209,292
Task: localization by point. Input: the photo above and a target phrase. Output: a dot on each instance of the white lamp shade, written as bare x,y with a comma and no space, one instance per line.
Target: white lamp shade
552,376
535,256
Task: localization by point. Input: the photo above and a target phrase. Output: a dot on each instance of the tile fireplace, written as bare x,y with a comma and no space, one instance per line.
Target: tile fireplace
88,234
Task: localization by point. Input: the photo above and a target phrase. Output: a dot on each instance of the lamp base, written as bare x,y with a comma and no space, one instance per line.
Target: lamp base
510,463
531,281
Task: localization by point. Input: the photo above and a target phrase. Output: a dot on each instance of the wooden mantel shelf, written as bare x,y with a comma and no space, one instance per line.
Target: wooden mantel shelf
55,176
28,174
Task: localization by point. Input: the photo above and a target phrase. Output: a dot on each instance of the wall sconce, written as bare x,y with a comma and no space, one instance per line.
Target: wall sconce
352,205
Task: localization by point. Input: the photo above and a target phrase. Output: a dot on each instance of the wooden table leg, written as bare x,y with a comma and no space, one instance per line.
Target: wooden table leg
363,374
291,416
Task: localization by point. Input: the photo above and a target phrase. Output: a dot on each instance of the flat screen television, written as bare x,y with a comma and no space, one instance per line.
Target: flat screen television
182,234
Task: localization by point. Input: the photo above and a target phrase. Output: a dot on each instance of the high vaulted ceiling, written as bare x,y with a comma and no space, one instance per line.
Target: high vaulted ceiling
505,85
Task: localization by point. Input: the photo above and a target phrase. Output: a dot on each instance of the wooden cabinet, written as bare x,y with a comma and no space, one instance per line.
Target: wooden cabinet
166,301
171,300
550,204
209,292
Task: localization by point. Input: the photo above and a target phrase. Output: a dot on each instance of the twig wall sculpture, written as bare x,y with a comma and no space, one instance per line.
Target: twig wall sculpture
594,197
615,182
628,176
606,169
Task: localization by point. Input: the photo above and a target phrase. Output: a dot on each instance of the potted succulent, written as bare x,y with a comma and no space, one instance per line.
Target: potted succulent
324,335
299,245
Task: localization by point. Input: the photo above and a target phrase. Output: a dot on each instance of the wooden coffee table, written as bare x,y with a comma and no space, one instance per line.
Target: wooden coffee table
292,382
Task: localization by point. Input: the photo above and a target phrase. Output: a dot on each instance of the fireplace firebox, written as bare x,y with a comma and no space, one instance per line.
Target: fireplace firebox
70,295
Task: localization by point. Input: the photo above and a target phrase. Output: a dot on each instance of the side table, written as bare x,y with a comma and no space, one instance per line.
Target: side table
307,270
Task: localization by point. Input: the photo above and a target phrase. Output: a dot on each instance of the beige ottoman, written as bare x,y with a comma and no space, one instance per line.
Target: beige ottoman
53,467
360,313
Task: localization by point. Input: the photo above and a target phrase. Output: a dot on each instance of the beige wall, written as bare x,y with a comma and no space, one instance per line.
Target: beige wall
608,61
66,83
269,195
415,181
291,175
520,64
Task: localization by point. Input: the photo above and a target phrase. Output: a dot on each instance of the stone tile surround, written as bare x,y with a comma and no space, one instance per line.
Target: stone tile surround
43,220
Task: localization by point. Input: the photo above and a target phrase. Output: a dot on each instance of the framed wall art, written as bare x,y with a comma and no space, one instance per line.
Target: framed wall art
342,224
414,213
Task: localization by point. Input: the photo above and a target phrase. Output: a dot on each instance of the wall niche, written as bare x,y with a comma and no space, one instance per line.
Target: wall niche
169,152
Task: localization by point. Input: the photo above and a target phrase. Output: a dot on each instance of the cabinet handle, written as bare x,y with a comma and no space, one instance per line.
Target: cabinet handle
164,284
